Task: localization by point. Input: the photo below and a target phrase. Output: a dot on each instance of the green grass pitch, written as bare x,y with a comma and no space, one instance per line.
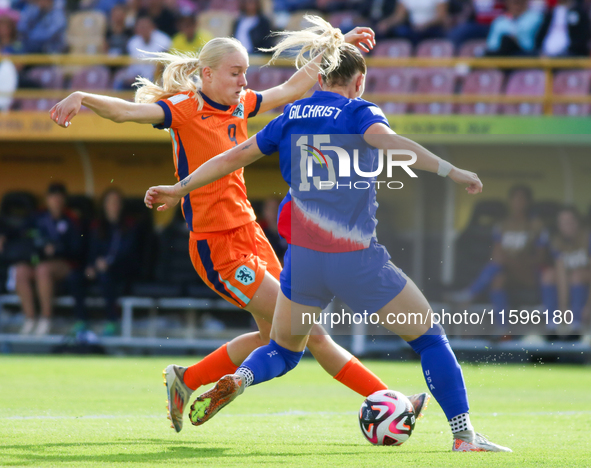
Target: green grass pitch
101,411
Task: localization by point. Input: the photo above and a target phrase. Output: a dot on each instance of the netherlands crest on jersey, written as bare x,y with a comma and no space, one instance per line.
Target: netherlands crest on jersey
239,112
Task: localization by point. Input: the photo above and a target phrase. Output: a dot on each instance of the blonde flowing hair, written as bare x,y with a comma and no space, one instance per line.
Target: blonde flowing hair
307,44
183,71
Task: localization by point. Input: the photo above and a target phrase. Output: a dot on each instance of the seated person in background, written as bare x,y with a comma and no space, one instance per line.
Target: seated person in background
474,20
252,28
514,33
9,43
146,39
565,31
375,10
415,20
57,238
42,28
118,34
163,17
189,38
566,285
112,242
519,251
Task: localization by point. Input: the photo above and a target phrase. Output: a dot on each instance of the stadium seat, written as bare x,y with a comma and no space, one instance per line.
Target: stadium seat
87,23
391,80
297,22
481,82
472,48
47,77
86,32
440,81
16,209
435,48
92,78
394,48
268,77
224,5
525,83
346,20
217,23
173,270
576,83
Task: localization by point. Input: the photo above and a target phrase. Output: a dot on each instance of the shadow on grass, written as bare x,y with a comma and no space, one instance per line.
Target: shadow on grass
167,452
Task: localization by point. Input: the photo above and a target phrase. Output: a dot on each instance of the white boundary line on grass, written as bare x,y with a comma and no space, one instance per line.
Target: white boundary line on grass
280,414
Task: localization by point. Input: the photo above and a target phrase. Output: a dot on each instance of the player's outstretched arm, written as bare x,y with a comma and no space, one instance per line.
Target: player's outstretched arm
381,136
223,164
307,76
107,107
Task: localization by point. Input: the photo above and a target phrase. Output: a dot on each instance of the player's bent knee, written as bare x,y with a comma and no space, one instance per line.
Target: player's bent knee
319,341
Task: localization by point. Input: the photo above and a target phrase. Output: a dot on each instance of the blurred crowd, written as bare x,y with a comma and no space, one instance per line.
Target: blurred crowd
69,247
510,27
541,254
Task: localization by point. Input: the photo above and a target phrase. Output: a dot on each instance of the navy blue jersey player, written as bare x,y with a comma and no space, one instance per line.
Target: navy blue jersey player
331,231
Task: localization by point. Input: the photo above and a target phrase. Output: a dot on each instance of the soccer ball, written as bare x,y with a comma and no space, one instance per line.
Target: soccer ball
387,417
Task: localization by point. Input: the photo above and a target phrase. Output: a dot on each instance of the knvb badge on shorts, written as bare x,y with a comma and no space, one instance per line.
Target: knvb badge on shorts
245,275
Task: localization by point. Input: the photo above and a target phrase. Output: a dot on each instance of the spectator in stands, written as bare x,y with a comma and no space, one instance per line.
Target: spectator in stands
133,11
514,33
565,31
474,19
58,242
112,251
519,250
164,18
42,28
270,228
565,286
9,43
118,34
104,6
376,10
415,20
189,38
252,28
146,39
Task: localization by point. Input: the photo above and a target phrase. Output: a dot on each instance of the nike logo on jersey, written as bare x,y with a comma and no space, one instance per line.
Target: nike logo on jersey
203,117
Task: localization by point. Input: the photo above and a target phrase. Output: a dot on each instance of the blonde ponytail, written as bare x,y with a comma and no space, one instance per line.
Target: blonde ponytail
183,71
321,38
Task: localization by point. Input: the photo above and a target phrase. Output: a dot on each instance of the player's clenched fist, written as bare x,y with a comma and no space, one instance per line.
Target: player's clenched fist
166,196
65,110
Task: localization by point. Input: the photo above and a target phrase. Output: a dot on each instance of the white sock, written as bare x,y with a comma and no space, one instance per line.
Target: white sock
247,376
460,423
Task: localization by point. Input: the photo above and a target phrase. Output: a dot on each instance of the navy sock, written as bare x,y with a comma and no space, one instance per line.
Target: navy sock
578,299
270,361
443,373
485,278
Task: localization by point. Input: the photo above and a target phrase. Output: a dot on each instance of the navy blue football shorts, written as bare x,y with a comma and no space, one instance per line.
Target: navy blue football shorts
366,280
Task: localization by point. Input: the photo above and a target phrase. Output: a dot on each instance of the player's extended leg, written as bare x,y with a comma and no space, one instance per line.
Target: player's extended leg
339,363
441,369
277,358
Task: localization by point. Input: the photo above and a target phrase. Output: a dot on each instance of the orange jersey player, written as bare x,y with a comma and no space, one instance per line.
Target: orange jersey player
203,103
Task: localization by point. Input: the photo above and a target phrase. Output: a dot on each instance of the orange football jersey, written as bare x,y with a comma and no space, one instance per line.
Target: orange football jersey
199,135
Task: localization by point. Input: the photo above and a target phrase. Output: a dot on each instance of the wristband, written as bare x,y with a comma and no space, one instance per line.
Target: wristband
444,168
